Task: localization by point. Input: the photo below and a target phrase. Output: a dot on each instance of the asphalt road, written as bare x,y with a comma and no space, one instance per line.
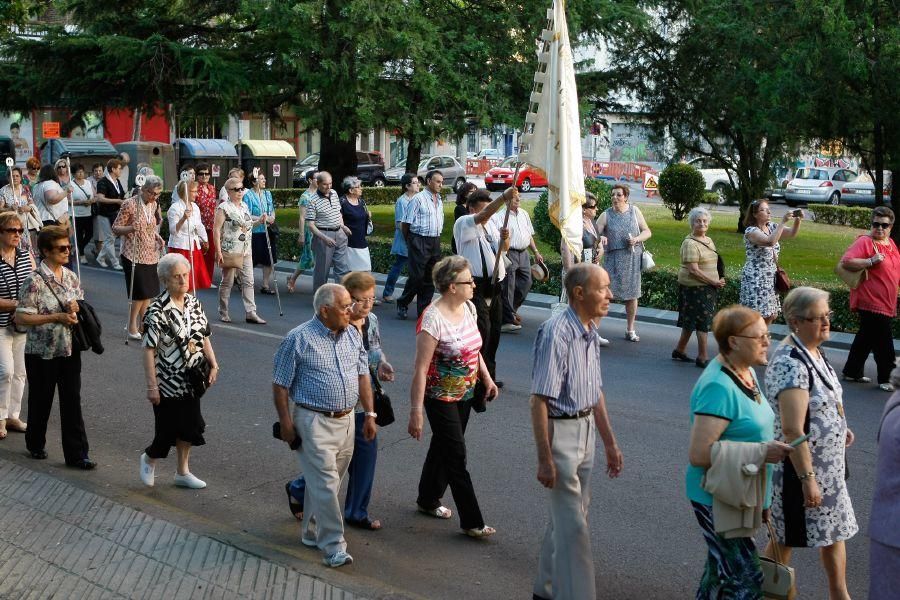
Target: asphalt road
646,542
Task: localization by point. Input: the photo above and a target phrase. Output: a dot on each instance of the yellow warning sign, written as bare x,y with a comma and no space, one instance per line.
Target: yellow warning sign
650,182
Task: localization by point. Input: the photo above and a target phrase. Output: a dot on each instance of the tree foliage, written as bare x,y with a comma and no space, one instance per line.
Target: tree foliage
681,187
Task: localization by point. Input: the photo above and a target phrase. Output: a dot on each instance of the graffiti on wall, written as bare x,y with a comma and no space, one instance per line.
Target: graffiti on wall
630,142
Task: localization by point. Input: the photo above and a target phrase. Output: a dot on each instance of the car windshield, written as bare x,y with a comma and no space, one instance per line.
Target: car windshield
312,159
510,162
819,174
866,178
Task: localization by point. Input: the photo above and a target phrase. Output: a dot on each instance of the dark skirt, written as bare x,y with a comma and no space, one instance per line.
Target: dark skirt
696,307
732,565
176,419
146,283
261,249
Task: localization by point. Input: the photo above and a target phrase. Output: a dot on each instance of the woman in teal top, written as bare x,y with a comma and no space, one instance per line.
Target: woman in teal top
727,404
265,249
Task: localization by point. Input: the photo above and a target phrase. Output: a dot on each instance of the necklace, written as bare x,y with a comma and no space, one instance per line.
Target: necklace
751,385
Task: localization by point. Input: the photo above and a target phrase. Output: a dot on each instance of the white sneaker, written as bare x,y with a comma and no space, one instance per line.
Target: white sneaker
117,267
189,480
102,262
510,328
82,259
148,470
338,559
602,340
886,387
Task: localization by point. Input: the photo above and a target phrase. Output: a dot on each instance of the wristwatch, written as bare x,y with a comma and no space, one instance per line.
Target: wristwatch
374,415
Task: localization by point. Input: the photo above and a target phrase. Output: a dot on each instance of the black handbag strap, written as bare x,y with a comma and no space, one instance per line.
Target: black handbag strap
373,374
64,308
705,244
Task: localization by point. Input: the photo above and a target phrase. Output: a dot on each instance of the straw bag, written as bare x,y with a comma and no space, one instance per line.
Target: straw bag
778,578
851,278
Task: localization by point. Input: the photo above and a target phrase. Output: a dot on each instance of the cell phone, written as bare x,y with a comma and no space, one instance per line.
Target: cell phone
799,440
797,213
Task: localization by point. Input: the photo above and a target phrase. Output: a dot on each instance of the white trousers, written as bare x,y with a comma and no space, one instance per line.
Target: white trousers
566,566
12,373
324,457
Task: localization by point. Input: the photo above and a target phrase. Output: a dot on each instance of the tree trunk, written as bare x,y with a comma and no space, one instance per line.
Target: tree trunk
337,156
413,155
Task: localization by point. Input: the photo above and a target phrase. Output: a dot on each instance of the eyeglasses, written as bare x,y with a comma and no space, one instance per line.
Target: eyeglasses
590,207
357,302
766,337
66,248
880,225
240,189
469,282
202,173
826,318
14,230
344,308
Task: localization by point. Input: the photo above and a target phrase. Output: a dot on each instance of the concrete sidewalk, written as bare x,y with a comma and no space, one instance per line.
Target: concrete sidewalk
59,541
839,340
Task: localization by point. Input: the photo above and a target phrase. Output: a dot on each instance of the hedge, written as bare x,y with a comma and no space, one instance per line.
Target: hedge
659,287
858,217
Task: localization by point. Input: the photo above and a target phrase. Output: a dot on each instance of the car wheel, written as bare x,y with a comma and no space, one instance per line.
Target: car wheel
526,185
835,199
719,190
379,182
791,203
460,181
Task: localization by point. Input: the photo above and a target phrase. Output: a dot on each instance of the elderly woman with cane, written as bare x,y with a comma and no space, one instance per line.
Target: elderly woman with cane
187,235
176,338
141,246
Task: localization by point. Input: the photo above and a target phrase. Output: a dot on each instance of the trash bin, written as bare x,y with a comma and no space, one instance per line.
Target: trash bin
219,154
84,150
275,158
160,157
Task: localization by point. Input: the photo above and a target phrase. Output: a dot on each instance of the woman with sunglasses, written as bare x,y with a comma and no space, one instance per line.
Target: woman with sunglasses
16,196
810,504
47,308
16,264
874,300
448,364
207,200
761,242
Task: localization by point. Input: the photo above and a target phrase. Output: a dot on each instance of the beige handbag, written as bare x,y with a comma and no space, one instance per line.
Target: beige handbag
851,278
232,260
778,578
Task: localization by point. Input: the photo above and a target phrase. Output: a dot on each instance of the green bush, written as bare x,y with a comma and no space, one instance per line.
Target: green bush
681,188
858,217
711,198
545,229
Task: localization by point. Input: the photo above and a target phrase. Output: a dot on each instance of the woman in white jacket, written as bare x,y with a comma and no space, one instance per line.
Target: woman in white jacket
187,235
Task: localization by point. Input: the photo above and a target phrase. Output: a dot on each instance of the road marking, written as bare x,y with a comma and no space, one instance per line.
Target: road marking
249,331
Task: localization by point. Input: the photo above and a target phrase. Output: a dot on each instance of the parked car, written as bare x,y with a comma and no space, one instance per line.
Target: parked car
453,172
394,174
489,153
500,177
715,178
369,169
781,176
862,190
817,184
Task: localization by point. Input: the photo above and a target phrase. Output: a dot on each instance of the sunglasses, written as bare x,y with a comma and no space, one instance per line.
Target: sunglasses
202,173
14,230
66,248
470,282
589,206
240,189
880,225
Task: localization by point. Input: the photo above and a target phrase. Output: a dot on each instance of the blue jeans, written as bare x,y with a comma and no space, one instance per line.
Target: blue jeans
360,476
394,274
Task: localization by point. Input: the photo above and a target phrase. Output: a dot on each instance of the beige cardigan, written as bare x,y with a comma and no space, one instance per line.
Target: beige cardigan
736,479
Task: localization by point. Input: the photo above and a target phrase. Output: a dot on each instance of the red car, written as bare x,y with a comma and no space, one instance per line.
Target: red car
500,177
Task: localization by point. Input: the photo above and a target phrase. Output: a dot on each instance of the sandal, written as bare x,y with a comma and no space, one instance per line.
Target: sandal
364,524
291,281
16,425
267,291
225,318
480,532
632,336
441,512
296,507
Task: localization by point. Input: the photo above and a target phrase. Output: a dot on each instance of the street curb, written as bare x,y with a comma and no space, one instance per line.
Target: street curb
839,340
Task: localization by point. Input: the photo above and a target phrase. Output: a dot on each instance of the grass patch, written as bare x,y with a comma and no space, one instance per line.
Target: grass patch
810,257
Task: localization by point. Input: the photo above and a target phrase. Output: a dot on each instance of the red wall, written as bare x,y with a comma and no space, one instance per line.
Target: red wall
119,125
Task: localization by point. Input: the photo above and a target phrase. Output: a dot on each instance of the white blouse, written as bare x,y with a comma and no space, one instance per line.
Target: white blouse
179,238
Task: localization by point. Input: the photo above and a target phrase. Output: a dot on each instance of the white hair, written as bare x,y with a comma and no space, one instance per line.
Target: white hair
696,213
168,263
325,295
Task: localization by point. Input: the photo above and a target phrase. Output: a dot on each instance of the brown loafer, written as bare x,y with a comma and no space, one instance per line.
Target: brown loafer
254,318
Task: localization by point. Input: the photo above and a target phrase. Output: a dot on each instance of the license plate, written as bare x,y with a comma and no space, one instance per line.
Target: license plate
802,191
864,192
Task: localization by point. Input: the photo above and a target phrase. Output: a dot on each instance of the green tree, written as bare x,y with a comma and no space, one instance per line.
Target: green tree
681,188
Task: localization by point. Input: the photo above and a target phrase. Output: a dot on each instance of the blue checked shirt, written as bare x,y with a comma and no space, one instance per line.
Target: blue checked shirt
321,368
424,215
567,364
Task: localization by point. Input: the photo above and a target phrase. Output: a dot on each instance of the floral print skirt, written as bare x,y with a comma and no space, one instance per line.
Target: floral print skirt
696,307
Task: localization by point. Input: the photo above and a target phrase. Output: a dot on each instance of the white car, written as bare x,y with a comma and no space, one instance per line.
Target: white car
817,184
715,178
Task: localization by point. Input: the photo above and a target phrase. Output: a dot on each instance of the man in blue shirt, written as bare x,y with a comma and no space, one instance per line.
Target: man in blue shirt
422,225
567,401
321,372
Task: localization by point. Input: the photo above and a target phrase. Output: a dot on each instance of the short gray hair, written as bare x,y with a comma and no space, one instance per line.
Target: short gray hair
168,263
350,182
325,295
320,176
446,270
798,301
696,213
578,276
151,183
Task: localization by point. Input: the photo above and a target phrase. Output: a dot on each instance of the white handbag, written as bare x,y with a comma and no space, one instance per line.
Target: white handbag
647,262
778,578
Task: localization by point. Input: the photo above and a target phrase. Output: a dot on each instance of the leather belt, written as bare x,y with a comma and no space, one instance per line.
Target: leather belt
579,415
330,414
518,249
327,228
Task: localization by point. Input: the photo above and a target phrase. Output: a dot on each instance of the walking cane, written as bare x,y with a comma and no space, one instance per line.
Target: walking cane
139,181
72,219
505,223
272,259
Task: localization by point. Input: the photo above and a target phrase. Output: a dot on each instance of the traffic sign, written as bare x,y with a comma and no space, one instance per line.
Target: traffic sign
651,182
276,170
216,171
50,129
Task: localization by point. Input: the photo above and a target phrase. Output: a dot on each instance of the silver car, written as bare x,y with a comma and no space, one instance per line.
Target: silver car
862,190
817,184
453,172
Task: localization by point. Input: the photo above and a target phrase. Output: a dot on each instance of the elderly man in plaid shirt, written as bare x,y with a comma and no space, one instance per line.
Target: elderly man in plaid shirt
321,372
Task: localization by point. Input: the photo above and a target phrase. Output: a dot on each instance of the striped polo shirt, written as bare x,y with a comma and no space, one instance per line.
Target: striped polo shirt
425,214
325,211
11,279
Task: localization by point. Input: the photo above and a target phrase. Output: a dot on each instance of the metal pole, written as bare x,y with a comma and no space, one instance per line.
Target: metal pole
135,252
505,223
74,230
271,256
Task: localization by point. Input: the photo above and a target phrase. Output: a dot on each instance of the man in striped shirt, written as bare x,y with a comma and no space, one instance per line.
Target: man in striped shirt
567,401
321,372
422,225
329,234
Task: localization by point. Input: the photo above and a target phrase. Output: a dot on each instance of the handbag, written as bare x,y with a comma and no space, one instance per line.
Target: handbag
778,578
82,340
197,375
232,260
382,402
782,281
851,278
647,262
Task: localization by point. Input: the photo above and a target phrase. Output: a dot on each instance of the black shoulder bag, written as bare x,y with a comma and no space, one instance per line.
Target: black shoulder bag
86,332
381,401
720,262
198,374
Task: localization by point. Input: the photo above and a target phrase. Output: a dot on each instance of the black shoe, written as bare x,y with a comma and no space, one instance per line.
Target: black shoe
39,454
701,363
85,464
499,385
402,312
676,355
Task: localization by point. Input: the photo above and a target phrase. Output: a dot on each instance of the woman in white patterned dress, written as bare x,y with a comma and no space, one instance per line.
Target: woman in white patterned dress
761,238
810,504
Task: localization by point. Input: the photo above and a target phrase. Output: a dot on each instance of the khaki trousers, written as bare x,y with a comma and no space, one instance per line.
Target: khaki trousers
245,280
